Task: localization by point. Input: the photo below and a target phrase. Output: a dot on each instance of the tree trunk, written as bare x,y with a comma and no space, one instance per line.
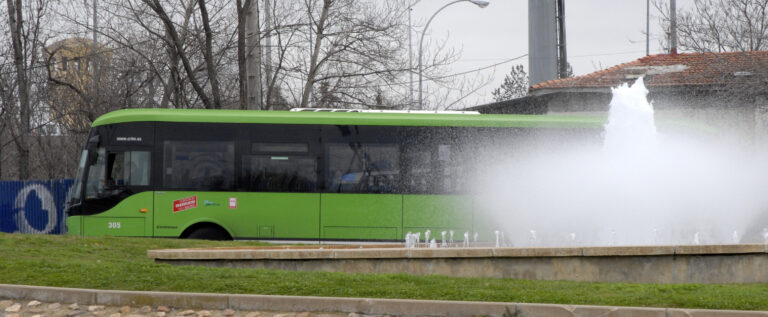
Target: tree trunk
242,8
172,93
179,47
315,53
253,53
15,19
267,51
208,55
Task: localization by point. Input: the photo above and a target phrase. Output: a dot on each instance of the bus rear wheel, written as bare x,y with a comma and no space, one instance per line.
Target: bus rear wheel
209,233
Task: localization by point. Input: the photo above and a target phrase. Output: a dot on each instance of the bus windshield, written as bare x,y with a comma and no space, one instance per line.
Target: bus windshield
115,172
73,196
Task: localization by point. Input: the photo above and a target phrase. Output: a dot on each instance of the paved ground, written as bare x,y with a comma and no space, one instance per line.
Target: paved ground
11,308
39,301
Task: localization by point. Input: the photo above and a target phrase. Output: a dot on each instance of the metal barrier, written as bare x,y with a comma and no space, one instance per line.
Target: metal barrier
33,206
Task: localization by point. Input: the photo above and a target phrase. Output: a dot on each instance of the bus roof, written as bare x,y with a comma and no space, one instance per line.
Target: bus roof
347,118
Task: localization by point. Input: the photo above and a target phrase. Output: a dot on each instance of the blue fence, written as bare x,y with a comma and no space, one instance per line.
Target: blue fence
33,206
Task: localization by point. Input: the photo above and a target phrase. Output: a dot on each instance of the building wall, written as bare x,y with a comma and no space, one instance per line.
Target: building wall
733,117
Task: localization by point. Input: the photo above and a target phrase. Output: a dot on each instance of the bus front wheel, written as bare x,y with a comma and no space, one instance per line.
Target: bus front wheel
209,233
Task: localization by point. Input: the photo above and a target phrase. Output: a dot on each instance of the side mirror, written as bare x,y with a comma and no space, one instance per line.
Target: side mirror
92,155
91,146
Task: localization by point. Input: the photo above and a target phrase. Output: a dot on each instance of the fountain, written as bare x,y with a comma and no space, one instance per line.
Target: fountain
643,183
646,207
443,242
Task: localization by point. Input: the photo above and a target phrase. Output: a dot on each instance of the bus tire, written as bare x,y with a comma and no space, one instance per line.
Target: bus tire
209,233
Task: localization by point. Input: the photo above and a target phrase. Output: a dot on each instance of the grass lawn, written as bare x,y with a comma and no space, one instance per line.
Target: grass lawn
122,263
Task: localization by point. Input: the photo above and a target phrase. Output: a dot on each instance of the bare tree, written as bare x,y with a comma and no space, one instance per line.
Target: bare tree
183,49
190,54
178,46
515,85
7,98
15,21
355,47
208,55
25,19
242,8
720,25
355,52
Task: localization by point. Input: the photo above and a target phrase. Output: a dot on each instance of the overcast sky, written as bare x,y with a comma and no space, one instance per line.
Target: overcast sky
599,34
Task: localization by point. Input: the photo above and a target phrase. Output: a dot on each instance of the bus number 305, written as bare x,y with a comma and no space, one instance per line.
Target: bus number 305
113,225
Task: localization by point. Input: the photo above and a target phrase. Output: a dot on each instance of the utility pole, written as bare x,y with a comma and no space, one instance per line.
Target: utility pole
647,27
562,58
311,46
95,55
672,27
268,49
410,60
253,55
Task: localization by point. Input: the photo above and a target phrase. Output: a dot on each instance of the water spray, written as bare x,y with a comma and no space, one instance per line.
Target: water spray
443,242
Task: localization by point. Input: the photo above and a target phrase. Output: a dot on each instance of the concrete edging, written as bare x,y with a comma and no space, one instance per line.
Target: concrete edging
705,264
398,252
368,306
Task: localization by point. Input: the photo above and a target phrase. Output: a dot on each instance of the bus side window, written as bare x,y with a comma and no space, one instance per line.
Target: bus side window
280,167
363,168
95,181
139,168
199,165
279,173
117,169
130,168
434,159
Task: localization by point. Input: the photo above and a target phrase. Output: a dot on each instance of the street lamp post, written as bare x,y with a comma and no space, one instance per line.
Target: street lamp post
479,3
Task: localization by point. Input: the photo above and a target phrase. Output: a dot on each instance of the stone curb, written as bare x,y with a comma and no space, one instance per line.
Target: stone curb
367,306
397,251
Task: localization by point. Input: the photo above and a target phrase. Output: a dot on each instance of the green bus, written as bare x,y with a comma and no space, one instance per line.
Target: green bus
292,175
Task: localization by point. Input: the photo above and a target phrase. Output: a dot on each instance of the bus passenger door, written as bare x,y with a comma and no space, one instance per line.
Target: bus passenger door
375,217
362,198
117,192
196,181
283,205
434,164
279,175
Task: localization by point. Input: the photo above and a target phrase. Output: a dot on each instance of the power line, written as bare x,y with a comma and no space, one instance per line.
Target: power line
608,54
480,69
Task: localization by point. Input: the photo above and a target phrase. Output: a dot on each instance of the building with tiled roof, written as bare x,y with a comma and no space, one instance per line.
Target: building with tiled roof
722,89
667,70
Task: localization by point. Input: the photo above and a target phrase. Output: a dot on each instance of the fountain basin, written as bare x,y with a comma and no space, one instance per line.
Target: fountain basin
741,263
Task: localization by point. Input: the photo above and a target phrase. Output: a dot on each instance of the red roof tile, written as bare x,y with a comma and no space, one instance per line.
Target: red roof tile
688,69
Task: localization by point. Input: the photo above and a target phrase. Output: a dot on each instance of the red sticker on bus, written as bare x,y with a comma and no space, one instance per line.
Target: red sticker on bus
232,203
185,203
